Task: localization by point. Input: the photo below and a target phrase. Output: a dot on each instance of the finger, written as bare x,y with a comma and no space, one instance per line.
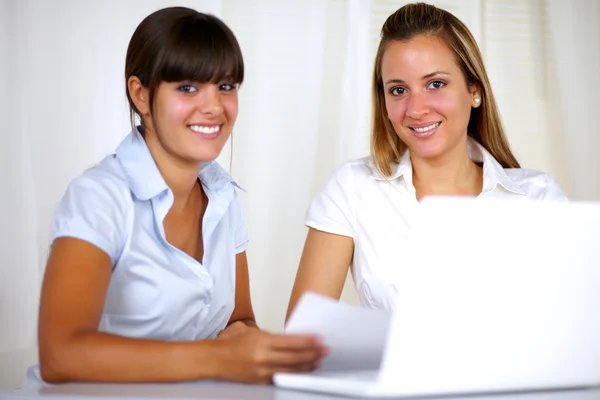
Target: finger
294,358
296,368
296,342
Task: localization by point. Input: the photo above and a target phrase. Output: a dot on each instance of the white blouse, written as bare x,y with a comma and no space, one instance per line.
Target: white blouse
156,291
378,213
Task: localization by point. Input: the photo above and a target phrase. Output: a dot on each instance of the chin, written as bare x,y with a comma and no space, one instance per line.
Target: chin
207,157
427,150
205,153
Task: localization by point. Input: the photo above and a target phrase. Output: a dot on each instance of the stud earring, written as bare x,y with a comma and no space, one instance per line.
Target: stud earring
477,101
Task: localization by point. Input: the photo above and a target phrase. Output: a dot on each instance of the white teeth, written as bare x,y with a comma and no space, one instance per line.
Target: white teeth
427,128
205,129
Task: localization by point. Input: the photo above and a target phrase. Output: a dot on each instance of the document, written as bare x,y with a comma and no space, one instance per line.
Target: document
355,336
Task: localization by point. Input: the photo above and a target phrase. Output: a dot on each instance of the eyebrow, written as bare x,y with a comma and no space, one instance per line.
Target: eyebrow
431,75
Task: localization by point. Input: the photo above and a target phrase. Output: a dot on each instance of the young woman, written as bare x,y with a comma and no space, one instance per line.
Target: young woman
436,130
148,262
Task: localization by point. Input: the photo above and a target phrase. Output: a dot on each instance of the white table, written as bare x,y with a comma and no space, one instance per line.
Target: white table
234,391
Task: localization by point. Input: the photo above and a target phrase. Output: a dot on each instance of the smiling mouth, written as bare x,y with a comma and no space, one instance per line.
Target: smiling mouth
206,130
425,131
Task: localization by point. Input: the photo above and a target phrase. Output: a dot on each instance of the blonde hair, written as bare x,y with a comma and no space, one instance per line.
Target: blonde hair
484,126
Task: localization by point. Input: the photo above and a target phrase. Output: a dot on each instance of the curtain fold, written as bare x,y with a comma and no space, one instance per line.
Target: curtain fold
575,30
19,251
276,137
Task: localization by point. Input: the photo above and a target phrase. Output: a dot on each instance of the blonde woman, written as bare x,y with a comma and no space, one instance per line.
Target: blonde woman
436,131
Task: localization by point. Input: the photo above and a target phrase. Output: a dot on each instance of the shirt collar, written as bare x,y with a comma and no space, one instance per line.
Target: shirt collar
493,172
145,179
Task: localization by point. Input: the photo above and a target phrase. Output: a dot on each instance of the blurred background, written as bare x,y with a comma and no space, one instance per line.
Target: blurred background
304,109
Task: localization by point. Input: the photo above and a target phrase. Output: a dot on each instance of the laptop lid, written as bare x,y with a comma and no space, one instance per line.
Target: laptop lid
496,296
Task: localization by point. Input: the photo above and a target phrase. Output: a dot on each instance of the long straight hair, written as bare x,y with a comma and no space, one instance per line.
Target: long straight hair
484,126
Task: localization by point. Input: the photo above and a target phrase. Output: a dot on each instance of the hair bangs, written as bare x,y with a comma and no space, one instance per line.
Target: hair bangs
201,50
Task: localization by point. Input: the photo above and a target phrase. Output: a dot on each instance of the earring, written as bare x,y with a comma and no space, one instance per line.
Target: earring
477,101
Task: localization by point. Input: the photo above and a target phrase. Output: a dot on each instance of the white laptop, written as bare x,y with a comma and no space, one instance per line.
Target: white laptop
492,296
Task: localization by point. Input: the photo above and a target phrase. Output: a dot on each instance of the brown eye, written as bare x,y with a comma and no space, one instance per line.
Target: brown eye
228,87
187,88
397,91
436,85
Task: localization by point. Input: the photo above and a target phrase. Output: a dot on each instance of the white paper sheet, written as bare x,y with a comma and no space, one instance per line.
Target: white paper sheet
356,336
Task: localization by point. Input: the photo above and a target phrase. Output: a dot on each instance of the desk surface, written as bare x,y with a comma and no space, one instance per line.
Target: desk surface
234,391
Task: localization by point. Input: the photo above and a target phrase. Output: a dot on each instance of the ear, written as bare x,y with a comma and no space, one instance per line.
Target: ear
476,95
139,95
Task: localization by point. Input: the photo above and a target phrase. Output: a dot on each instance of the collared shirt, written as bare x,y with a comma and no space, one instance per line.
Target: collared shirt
156,291
378,212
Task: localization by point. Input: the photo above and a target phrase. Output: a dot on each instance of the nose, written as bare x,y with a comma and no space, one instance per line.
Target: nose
211,103
417,106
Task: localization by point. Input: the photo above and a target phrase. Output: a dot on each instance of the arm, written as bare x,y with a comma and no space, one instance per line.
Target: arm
72,349
73,293
242,317
323,266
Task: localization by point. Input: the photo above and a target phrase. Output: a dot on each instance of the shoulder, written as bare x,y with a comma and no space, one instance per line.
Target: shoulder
108,171
359,166
354,170
102,185
333,209
95,207
346,180
537,185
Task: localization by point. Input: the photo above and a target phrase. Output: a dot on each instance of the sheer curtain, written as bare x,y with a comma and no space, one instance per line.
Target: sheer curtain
303,112
19,252
575,32
276,134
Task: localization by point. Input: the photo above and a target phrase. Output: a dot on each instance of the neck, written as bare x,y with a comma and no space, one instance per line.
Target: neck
452,173
180,175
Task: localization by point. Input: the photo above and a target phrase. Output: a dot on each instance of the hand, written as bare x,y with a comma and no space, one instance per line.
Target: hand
234,329
254,356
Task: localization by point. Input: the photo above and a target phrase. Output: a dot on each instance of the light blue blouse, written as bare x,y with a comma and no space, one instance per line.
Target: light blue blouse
156,291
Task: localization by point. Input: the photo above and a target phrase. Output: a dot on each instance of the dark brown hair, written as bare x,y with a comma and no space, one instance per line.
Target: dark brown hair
484,126
178,44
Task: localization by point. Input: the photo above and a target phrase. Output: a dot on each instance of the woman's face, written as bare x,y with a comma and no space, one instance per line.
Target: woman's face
192,121
427,98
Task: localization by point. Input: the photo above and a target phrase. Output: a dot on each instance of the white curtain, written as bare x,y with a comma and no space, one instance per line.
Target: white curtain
294,112
276,136
575,30
19,234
